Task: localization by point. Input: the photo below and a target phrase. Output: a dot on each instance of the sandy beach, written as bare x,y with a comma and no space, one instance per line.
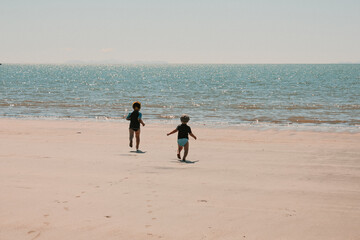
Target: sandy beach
80,180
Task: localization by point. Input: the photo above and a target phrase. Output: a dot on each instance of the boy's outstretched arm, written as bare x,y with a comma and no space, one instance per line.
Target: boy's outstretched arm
173,131
141,121
192,135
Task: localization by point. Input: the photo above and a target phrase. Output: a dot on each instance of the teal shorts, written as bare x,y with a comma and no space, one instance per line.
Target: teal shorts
182,141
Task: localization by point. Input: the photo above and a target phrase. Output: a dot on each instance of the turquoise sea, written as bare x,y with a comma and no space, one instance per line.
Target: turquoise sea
219,95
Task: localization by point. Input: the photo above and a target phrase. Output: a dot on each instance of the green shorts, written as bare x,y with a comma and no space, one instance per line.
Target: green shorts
182,141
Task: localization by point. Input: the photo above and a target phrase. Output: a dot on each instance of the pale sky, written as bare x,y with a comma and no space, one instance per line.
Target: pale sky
181,31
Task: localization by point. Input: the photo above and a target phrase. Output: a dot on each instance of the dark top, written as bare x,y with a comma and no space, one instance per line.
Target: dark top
134,119
183,131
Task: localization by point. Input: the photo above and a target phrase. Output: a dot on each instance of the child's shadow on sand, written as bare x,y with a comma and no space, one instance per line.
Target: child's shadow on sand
187,161
137,151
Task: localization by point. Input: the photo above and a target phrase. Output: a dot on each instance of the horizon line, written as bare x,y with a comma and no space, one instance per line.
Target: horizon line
168,63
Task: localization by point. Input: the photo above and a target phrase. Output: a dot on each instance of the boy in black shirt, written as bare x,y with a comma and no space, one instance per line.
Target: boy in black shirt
183,136
135,120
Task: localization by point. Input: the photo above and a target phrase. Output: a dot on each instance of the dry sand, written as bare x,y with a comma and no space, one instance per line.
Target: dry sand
79,180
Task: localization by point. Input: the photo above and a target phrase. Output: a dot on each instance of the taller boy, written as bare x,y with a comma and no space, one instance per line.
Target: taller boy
135,120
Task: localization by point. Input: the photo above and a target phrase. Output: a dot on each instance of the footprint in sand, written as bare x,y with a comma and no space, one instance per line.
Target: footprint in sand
66,208
36,236
202,200
290,213
57,201
153,235
108,216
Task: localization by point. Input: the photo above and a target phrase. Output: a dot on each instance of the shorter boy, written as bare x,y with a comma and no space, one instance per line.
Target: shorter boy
135,120
183,136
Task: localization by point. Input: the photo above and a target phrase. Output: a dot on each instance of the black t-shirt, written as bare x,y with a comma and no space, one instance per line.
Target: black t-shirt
183,131
134,119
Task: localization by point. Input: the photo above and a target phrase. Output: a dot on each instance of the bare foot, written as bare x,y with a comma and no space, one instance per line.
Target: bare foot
130,144
178,155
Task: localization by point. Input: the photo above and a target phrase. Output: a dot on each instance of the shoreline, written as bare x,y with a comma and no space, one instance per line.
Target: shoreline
81,179
256,126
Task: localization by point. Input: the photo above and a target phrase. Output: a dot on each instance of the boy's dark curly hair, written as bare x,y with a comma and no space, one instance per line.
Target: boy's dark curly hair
136,105
184,118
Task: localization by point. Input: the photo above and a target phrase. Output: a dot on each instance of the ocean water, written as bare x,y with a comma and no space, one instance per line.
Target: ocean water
218,95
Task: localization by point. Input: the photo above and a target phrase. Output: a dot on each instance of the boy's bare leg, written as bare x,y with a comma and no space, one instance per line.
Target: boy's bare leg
179,151
131,136
137,135
186,150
